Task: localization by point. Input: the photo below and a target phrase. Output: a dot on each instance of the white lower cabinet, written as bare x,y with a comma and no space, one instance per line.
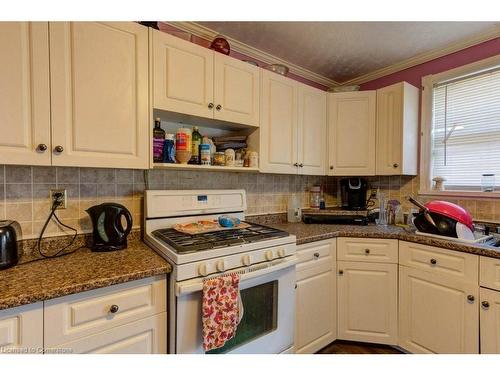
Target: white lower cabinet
437,313
367,302
21,329
315,297
490,321
145,336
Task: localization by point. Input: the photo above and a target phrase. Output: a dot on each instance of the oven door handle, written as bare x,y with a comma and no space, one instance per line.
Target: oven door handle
246,273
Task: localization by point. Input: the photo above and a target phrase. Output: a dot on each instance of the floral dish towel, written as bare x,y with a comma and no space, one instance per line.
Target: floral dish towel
222,310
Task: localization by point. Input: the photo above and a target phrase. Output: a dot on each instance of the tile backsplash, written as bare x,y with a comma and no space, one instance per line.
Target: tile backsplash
24,192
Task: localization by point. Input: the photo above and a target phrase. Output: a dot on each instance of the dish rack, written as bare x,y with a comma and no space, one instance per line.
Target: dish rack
480,238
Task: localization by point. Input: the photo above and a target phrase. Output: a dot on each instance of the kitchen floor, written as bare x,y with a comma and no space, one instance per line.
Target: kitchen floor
350,347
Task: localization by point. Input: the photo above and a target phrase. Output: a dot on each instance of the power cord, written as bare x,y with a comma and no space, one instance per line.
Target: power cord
59,253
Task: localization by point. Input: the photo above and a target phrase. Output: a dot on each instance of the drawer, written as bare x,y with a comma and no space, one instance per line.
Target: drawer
71,317
21,329
145,336
440,261
315,267
309,254
375,250
489,272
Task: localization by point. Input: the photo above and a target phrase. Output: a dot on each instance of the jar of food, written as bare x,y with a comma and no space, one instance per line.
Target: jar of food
254,159
229,153
183,145
219,159
204,154
315,196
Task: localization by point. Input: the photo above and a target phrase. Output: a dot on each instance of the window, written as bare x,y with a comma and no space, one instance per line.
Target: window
463,127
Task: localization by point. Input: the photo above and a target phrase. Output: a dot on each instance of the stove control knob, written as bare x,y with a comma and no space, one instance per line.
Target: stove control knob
246,260
221,266
269,255
281,252
202,269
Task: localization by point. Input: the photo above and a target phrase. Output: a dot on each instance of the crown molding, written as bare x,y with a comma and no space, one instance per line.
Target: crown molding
252,52
425,57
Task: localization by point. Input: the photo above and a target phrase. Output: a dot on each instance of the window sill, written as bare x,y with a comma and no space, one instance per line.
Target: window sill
460,194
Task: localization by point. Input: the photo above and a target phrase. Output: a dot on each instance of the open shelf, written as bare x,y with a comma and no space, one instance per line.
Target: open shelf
204,167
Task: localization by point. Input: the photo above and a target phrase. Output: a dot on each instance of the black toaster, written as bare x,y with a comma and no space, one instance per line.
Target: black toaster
9,230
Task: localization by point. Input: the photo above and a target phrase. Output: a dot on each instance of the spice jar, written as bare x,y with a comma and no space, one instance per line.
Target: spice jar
229,153
219,159
254,159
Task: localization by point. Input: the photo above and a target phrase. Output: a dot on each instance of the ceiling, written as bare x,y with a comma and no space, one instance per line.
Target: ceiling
342,51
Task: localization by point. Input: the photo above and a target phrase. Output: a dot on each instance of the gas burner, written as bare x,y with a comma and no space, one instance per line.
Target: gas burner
185,243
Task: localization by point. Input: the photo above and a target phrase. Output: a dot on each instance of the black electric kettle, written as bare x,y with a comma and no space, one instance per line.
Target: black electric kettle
108,232
9,232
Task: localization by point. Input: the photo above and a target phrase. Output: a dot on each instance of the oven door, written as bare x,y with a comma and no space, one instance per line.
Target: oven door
268,322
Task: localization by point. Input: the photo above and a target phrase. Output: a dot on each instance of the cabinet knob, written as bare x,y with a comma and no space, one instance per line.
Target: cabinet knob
316,255
58,149
470,298
210,105
301,165
485,304
331,166
295,164
433,261
341,272
395,165
113,309
219,107
367,251
42,147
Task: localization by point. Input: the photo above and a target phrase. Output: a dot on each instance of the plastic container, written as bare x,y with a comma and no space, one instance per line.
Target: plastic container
293,209
169,149
382,215
205,154
315,200
183,145
488,182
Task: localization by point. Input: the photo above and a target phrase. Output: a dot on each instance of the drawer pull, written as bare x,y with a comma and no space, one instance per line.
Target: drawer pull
341,272
210,105
316,255
470,298
367,251
433,261
485,304
113,309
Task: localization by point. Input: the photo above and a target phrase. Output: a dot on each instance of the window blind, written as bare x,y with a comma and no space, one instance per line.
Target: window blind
466,130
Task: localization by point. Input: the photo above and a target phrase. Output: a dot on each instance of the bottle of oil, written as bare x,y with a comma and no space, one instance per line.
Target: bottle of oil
195,144
158,140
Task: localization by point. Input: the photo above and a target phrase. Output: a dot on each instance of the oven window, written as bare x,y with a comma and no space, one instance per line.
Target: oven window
260,304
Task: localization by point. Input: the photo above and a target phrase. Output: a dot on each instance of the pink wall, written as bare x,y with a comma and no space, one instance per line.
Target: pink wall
414,74
206,43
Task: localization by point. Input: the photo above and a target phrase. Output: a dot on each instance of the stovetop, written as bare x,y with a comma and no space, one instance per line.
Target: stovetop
183,243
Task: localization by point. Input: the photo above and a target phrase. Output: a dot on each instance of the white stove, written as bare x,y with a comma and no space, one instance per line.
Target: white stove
264,258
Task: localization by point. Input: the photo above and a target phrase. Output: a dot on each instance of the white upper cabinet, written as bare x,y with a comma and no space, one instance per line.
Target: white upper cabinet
351,127
311,130
195,80
24,93
278,130
183,76
236,90
397,129
99,101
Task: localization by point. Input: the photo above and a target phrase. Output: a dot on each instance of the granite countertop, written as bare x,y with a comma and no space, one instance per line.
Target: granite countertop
83,270
306,233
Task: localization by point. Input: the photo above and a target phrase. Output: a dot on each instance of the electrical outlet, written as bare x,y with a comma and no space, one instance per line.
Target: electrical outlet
58,195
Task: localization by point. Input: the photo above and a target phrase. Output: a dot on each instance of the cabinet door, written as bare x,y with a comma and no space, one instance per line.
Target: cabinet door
311,130
278,130
367,302
397,128
436,314
24,93
236,91
315,306
351,126
490,321
21,329
99,101
146,336
183,76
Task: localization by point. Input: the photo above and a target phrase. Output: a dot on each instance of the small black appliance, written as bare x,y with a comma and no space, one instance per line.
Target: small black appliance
108,231
353,193
9,231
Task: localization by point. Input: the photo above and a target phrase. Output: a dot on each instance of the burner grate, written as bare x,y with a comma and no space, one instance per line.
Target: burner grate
185,243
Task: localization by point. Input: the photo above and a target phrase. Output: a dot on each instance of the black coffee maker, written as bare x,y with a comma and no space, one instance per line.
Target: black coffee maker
108,231
353,193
